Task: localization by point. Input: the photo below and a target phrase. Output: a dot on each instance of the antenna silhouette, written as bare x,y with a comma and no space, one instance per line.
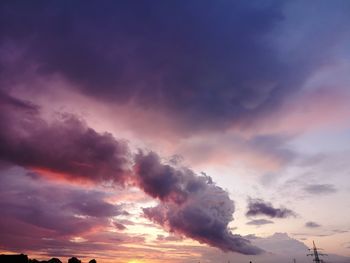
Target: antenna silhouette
316,254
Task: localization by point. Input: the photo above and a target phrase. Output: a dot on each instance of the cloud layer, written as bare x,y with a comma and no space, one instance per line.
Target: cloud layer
239,88
38,213
217,65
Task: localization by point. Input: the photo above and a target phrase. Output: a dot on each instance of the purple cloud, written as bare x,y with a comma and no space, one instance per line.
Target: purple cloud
257,207
222,65
65,145
119,226
38,213
311,224
231,71
191,205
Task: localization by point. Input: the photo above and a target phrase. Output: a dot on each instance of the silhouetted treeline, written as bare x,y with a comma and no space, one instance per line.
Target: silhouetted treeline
24,259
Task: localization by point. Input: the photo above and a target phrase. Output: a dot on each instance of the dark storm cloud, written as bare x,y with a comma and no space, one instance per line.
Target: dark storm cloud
191,205
311,224
259,222
214,62
320,189
257,207
65,145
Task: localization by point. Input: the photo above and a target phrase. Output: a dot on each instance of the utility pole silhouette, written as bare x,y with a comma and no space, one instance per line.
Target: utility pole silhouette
316,254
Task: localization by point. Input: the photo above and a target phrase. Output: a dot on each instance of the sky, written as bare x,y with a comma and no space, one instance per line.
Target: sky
175,131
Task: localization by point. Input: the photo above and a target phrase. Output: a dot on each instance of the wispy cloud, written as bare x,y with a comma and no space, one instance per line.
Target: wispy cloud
311,224
259,222
320,189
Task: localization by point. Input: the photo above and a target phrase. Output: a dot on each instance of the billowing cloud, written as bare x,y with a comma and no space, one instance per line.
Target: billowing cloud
191,205
258,207
259,222
311,224
320,189
64,145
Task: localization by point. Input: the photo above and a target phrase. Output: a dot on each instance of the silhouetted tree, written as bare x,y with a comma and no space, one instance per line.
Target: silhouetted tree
54,260
14,258
74,260
92,261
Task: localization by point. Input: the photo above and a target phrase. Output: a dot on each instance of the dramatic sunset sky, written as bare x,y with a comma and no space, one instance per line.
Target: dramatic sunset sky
175,131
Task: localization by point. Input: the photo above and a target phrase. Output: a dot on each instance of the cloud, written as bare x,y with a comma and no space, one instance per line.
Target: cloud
258,207
16,103
229,72
191,205
311,224
170,238
93,207
340,231
259,222
36,209
320,189
282,244
280,247
274,145
64,145
263,152
119,226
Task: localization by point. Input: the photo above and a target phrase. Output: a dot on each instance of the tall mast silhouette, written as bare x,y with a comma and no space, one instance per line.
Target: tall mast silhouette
316,254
